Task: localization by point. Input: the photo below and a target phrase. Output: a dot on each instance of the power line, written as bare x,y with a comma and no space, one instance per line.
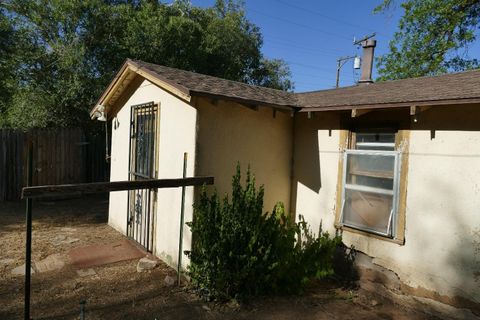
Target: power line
354,78
308,84
309,66
311,76
331,34
311,49
303,51
299,44
323,15
308,87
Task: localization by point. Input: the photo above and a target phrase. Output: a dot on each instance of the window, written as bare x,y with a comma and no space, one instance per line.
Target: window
371,171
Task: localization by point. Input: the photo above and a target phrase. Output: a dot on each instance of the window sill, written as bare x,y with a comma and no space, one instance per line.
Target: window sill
370,235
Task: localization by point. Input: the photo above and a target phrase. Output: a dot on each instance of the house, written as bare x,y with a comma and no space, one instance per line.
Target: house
392,166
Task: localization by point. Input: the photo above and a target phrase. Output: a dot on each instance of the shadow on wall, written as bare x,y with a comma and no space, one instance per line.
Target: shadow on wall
317,136
320,128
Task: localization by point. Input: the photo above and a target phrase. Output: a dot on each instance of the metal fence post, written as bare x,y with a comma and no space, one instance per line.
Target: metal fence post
182,210
82,309
28,244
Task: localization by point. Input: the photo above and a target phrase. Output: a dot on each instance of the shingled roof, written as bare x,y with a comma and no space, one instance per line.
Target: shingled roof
200,84
443,89
454,88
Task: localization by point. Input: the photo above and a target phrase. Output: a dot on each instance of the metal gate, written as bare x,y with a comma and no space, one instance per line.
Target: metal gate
143,151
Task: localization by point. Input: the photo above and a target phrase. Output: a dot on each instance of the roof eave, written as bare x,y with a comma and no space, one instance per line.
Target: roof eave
245,101
130,66
109,89
390,105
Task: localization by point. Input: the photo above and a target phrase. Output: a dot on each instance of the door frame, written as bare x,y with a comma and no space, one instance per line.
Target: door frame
148,240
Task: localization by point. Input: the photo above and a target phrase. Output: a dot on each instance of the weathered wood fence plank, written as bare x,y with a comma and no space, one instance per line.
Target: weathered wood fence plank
60,156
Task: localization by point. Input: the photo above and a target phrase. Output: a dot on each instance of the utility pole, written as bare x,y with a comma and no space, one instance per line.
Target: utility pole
340,63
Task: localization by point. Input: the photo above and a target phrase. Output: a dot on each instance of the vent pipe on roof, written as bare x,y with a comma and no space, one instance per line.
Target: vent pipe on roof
367,61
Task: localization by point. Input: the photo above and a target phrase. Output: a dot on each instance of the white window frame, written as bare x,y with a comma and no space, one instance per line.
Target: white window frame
395,191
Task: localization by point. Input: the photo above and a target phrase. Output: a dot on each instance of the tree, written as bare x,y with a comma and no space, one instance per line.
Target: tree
7,78
272,73
433,38
62,54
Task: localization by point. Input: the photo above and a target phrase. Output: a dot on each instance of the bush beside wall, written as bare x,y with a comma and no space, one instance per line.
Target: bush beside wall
239,251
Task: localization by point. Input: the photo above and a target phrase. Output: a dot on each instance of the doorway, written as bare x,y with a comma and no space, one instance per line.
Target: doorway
142,166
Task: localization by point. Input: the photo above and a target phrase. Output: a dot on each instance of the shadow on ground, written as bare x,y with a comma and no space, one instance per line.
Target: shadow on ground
118,291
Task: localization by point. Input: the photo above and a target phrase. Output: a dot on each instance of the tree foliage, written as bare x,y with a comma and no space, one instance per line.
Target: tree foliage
56,56
433,37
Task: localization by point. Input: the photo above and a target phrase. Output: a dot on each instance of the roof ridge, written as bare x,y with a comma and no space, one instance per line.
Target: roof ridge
323,90
213,77
447,74
455,85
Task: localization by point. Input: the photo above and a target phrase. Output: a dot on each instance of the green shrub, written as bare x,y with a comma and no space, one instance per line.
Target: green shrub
239,251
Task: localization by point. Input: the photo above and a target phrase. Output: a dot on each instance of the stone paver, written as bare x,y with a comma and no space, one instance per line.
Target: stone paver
20,270
169,281
145,264
51,263
86,272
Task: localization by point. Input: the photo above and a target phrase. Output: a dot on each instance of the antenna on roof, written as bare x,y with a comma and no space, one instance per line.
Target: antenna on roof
359,42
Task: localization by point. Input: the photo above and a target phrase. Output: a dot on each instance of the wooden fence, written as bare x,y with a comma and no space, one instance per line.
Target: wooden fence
60,156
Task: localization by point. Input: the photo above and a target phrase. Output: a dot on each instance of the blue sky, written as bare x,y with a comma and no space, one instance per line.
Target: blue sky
311,34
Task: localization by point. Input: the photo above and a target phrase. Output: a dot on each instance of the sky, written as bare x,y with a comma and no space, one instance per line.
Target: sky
310,35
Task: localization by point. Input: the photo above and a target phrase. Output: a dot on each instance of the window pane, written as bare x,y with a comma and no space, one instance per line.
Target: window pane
367,211
369,193
382,147
374,141
373,170
375,137
382,183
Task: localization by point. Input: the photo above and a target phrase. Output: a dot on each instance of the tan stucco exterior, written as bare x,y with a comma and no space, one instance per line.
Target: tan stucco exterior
441,252
176,135
316,156
215,137
229,133
298,158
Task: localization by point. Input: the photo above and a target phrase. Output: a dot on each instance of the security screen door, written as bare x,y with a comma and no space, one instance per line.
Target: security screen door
143,150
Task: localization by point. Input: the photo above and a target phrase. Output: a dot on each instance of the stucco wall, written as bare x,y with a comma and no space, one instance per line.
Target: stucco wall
314,183
176,135
229,132
442,238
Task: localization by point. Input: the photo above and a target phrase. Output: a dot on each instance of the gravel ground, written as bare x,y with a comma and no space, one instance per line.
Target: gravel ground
118,291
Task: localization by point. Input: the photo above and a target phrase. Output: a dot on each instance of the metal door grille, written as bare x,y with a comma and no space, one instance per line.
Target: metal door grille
143,149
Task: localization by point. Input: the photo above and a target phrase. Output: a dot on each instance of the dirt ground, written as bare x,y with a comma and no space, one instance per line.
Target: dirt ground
118,291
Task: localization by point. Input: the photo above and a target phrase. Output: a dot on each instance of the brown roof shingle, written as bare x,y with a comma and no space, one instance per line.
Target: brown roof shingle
455,86
200,84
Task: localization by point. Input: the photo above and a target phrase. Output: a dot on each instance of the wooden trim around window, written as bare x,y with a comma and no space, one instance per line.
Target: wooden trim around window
402,144
402,141
343,144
